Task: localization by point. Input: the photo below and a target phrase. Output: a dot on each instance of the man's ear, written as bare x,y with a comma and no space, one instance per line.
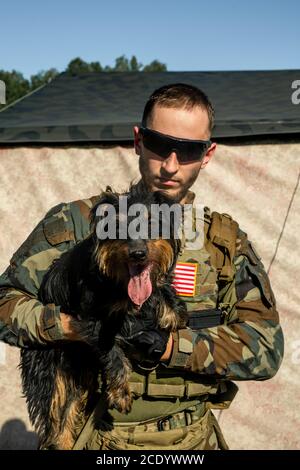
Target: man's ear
208,155
137,140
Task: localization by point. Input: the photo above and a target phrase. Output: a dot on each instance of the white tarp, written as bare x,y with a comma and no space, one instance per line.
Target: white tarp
254,183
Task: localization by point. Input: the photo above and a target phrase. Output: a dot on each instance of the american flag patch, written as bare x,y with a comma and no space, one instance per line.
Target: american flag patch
184,279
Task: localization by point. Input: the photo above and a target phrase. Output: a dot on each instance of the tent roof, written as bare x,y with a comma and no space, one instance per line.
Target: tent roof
102,107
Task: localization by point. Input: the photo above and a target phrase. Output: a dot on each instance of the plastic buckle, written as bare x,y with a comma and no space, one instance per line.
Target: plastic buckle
188,417
161,423
187,414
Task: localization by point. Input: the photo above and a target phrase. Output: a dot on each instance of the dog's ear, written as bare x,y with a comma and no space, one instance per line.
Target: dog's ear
107,198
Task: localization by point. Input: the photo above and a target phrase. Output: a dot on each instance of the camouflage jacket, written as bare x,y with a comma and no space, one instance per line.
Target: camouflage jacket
249,345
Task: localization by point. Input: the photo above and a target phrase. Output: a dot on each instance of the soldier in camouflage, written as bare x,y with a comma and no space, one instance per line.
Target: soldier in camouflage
173,402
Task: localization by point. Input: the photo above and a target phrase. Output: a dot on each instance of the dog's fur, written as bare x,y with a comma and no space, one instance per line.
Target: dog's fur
90,283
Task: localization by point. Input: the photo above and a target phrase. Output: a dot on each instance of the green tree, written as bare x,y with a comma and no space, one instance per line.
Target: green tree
16,85
122,64
42,78
135,66
96,67
78,65
155,66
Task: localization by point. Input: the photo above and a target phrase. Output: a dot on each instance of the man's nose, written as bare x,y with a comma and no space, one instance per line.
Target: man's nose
171,164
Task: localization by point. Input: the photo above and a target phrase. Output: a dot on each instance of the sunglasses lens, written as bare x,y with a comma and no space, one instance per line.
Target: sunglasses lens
191,151
187,151
155,143
194,152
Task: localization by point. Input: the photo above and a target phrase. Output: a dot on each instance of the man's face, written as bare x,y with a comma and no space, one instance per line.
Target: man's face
168,175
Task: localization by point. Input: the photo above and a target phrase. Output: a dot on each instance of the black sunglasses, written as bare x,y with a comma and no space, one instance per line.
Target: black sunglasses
186,150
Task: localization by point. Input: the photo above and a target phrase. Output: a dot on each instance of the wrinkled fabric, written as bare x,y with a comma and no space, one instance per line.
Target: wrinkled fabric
225,186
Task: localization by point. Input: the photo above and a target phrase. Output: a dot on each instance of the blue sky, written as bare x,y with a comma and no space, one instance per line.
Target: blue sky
186,35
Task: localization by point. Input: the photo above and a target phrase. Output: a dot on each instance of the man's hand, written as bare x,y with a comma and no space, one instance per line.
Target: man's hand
81,330
67,323
143,341
140,338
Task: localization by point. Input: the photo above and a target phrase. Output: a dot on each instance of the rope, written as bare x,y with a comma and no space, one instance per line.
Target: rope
284,223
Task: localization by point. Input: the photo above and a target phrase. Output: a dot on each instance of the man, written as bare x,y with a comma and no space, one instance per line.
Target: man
173,402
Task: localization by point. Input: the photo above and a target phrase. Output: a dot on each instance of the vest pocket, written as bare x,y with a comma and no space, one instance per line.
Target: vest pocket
58,229
261,278
165,383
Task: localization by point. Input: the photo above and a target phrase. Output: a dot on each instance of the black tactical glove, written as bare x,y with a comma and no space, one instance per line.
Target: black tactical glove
142,341
88,331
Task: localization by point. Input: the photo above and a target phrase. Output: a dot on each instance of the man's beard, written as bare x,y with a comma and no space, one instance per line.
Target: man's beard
175,196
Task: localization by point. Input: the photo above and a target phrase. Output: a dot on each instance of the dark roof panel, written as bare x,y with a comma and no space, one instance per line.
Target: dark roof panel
103,107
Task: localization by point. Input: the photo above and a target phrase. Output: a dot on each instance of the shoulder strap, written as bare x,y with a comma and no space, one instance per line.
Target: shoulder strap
221,244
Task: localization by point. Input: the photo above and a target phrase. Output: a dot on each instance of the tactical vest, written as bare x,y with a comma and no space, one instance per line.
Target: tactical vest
214,269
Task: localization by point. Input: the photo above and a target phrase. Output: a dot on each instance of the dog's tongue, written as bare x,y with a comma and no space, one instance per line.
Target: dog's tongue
139,286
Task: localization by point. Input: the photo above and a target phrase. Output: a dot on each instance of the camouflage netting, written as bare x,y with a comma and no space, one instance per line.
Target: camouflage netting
254,183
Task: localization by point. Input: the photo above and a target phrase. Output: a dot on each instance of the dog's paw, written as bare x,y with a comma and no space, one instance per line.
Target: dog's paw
120,399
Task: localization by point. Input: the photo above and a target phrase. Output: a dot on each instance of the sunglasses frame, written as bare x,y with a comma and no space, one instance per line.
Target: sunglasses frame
173,144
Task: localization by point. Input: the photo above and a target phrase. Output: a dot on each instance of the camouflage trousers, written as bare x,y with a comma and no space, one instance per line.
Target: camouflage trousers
172,433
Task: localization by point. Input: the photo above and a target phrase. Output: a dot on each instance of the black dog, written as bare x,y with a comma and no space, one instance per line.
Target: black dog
101,283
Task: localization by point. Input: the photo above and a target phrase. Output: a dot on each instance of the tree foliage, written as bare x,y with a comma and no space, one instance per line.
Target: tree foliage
78,65
42,78
17,86
155,66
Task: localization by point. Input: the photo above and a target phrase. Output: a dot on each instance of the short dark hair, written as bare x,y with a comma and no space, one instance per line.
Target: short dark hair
178,95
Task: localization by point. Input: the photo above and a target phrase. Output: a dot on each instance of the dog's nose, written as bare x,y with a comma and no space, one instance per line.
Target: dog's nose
137,255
